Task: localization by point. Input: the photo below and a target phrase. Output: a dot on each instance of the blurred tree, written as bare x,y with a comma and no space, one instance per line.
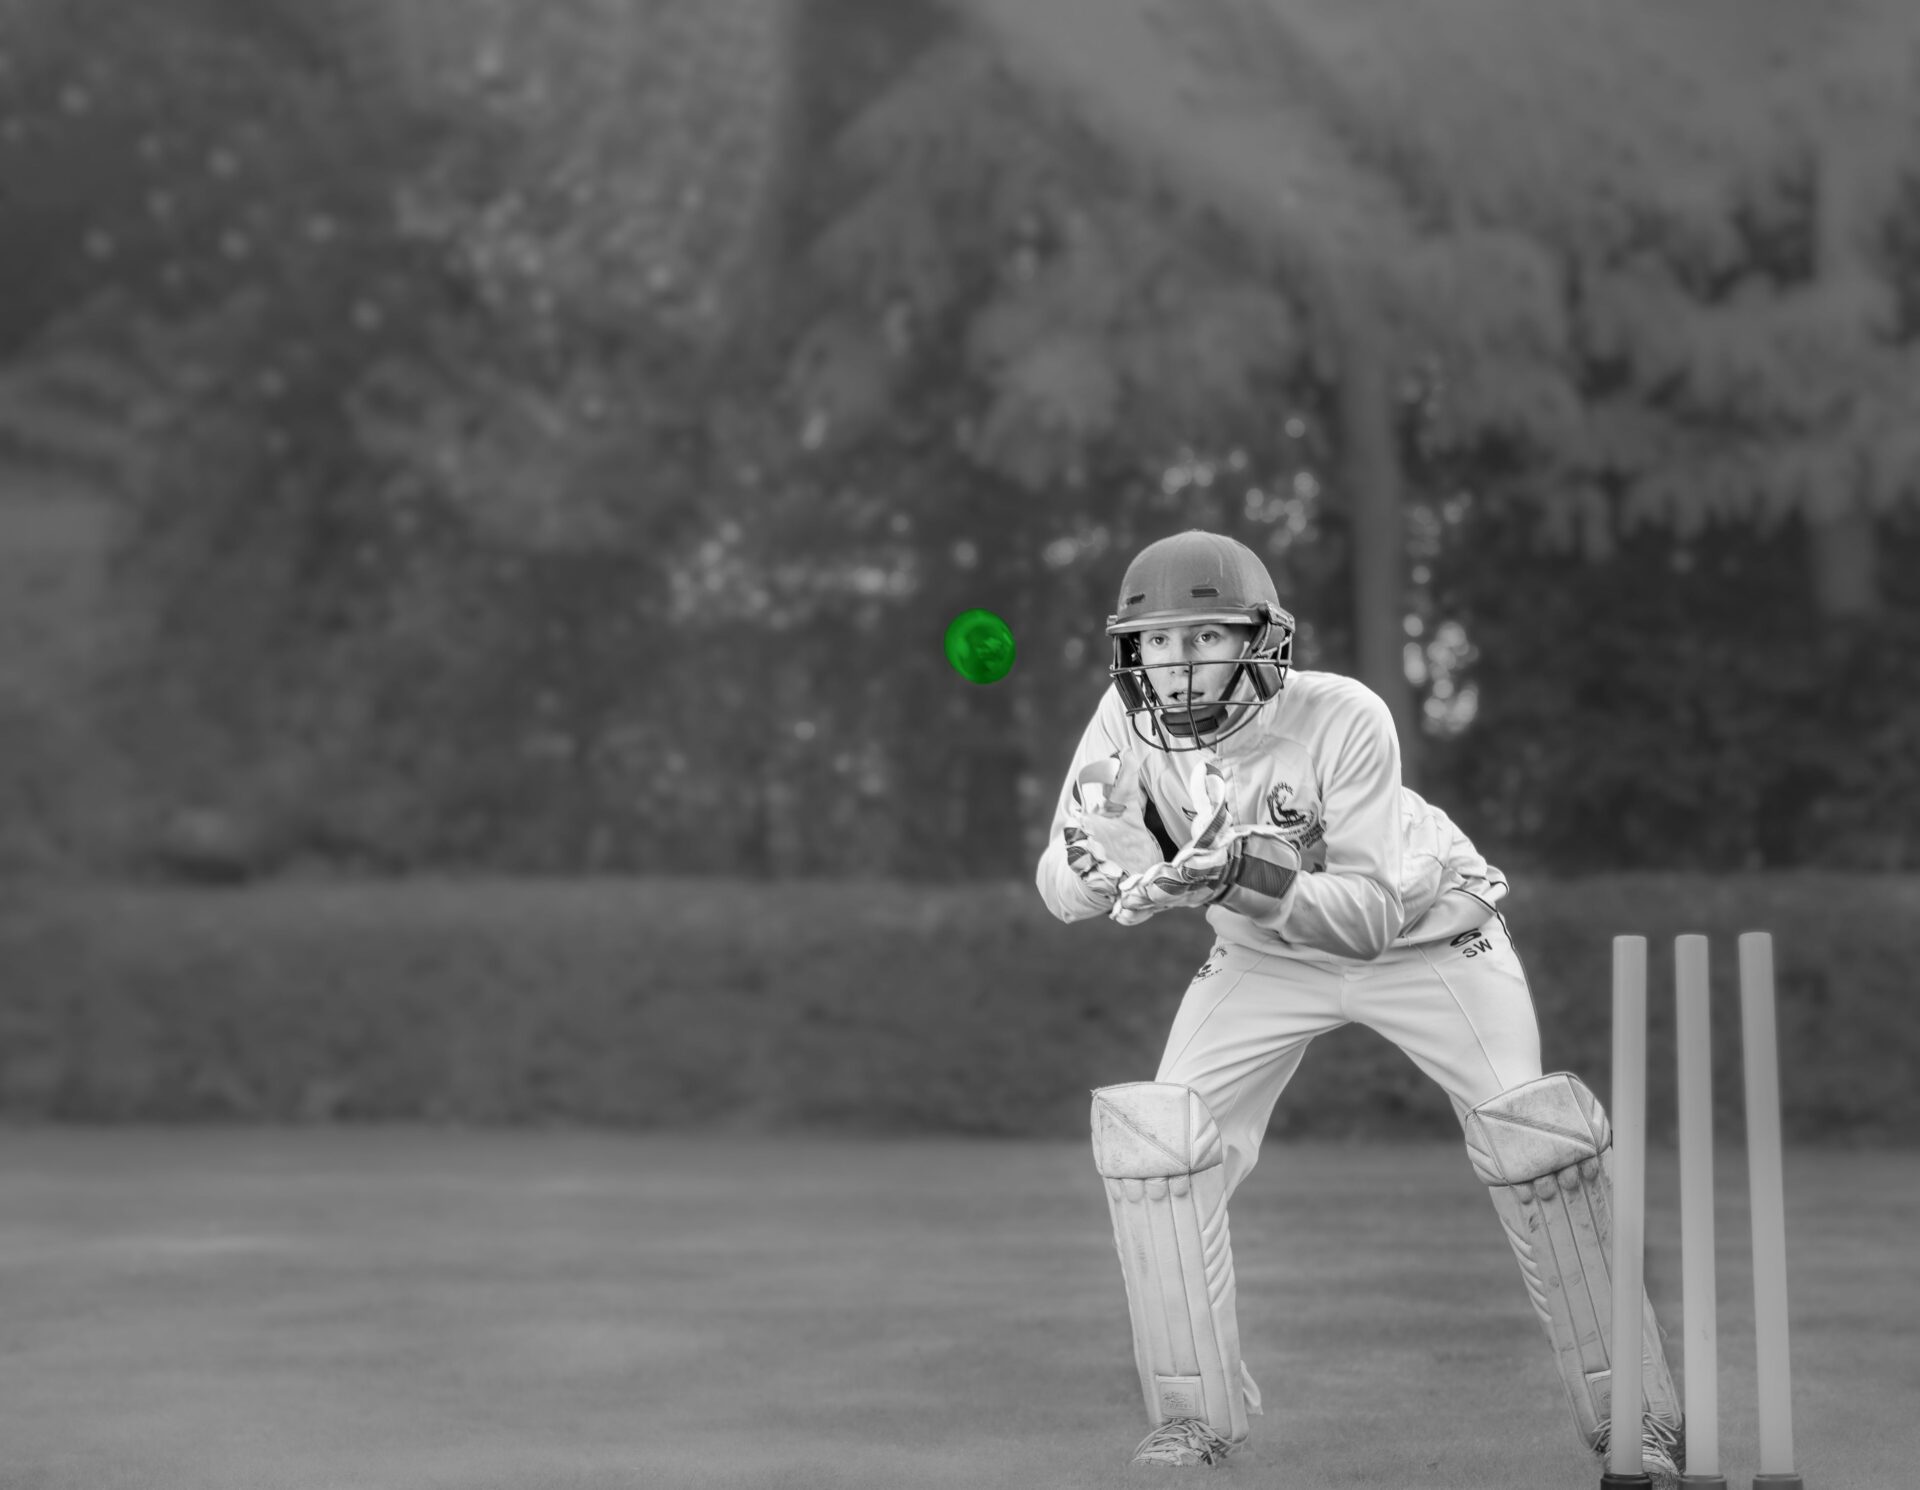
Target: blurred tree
603,407
1481,198
1230,119
1671,705
611,201
51,548
395,363
1731,286
189,205
1006,366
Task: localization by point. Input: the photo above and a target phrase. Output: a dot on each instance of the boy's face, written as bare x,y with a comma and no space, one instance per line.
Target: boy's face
1213,647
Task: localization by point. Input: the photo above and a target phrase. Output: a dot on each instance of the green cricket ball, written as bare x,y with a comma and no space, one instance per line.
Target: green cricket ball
980,646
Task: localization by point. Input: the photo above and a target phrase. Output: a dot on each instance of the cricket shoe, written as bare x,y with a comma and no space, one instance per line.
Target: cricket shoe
1182,1442
1663,1453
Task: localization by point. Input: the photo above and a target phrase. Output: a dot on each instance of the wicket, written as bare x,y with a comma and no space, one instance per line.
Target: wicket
1625,1468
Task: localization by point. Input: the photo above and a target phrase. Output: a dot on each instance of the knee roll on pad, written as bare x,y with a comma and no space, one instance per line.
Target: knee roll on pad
1544,1151
1160,1156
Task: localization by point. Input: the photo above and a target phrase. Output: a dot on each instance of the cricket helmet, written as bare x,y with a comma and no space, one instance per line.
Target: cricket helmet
1178,581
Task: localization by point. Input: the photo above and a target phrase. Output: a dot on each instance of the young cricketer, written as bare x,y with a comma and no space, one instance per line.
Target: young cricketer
1215,775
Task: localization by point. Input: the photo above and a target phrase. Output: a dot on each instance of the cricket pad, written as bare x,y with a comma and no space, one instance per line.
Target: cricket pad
1159,1153
1544,1149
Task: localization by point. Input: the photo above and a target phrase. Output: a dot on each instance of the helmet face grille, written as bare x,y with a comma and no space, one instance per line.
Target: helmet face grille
1191,577
1260,676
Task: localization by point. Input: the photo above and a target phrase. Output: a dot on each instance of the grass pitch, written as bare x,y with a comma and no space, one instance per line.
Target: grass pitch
414,1309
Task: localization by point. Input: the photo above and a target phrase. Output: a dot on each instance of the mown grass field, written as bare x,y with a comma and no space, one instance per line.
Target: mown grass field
720,1183
416,1309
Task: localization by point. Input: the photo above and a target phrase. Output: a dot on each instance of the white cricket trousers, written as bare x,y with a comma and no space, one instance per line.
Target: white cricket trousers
1460,1009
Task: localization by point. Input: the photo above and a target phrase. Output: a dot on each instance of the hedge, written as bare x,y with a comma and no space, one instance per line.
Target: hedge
710,1003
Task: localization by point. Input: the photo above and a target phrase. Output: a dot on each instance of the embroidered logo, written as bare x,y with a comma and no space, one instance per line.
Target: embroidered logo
1216,959
1472,943
1301,829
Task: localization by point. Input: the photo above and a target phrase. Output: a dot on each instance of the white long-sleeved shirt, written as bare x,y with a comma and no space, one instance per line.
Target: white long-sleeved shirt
1385,867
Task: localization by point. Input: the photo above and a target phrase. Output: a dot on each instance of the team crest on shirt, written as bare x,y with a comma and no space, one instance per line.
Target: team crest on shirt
1303,829
1216,959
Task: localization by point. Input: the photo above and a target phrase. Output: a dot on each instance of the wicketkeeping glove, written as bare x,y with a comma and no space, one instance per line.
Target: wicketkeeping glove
1165,887
1105,804
1261,865
1094,785
1193,877
1250,871
1087,859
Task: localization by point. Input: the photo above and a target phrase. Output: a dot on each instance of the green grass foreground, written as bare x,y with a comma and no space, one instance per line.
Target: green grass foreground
416,1309
841,1006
